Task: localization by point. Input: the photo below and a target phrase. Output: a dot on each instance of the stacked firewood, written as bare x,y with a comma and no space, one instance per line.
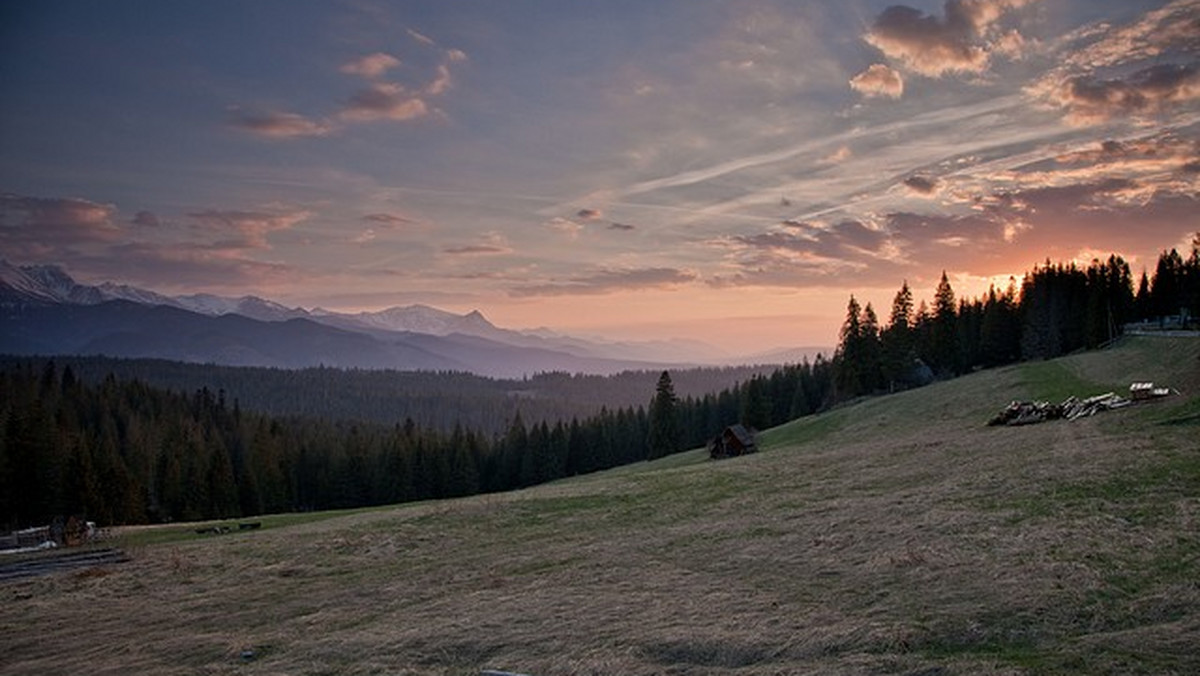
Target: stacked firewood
1029,412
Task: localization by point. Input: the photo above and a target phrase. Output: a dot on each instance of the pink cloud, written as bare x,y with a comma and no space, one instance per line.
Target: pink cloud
371,66
384,101
282,125
42,228
441,82
878,80
243,230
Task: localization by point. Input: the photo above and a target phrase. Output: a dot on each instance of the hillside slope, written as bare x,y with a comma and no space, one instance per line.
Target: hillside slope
896,535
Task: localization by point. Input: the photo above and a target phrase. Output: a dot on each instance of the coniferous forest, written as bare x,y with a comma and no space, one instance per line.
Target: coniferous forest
117,450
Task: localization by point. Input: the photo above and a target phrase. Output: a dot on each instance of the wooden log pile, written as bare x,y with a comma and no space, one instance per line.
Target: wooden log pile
1072,408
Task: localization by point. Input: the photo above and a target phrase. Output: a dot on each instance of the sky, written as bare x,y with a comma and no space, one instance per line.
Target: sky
723,170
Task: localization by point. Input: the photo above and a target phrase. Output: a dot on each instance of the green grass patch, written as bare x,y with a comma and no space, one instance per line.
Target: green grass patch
1054,381
805,430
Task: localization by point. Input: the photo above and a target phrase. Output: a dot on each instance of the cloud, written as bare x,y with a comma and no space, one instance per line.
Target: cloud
45,228
962,41
1157,152
1144,69
476,249
1172,28
384,101
1088,100
241,230
371,66
838,156
610,281
589,214
843,239
390,220
94,241
281,125
878,80
423,39
441,82
380,99
566,226
146,219
185,268
924,185
491,242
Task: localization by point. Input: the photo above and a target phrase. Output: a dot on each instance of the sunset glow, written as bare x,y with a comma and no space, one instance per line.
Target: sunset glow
724,171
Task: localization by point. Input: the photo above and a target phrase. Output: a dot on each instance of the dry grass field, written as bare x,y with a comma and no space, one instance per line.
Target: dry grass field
897,535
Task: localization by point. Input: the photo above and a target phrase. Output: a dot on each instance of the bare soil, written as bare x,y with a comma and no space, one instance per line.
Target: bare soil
899,535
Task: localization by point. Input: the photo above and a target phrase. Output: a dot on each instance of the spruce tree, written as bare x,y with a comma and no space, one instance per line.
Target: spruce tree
849,357
945,330
897,339
664,419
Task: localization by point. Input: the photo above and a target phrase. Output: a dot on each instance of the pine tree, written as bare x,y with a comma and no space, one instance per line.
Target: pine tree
849,357
944,348
897,339
1142,309
871,374
664,419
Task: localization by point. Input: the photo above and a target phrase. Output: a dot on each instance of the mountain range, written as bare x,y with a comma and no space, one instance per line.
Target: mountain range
45,311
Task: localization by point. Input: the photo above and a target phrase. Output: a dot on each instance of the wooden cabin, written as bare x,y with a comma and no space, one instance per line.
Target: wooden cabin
733,441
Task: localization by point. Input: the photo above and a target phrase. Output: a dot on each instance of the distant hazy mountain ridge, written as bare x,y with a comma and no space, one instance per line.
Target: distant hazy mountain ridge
46,311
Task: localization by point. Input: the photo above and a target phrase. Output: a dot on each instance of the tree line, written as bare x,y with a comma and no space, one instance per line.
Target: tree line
1057,309
436,400
119,450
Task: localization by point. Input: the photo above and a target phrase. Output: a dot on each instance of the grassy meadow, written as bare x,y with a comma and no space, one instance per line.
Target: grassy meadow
894,535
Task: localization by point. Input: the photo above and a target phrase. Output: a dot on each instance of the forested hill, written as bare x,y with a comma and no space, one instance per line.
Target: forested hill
433,400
